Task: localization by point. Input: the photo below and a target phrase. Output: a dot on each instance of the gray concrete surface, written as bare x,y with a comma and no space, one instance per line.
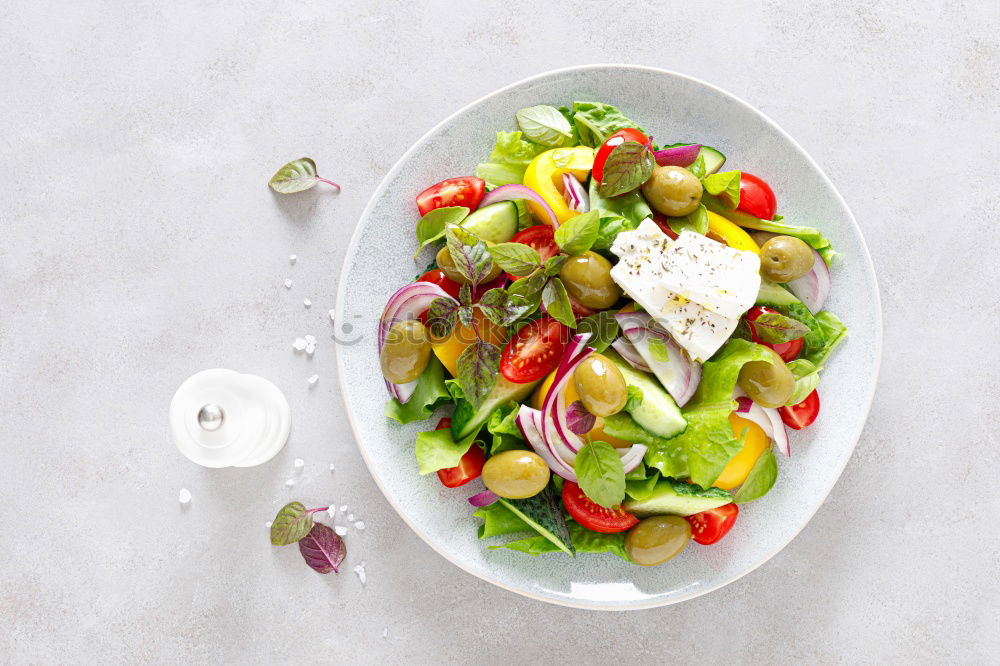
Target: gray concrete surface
140,244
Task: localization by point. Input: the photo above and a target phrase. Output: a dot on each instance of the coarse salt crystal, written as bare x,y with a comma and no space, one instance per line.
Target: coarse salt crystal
333,315
288,283
331,511
310,339
184,496
340,530
351,517
268,524
360,570
332,467
312,380
343,507
289,483
292,258
306,302
360,525
299,463
310,349
299,344
385,632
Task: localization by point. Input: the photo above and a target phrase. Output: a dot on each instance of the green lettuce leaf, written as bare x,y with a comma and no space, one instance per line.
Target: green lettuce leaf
806,375
611,226
510,157
642,489
815,339
708,441
664,454
437,449
503,427
595,122
834,333
760,480
430,394
632,206
498,519
584,540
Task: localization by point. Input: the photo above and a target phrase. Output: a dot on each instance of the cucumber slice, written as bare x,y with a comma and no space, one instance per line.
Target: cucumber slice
658,413
677,498
496,223
544,513
713,158
773,295
467,419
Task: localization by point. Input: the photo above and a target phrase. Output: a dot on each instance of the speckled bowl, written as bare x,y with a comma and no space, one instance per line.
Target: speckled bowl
675,108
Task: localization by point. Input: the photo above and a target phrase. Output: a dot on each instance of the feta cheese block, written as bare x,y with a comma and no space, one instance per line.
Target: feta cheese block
694,287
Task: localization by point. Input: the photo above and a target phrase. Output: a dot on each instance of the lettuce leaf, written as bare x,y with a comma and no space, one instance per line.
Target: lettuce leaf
708,442
498,519
669,457
503,427
806,375
584,541
437,449
631,206
834,333
510,157
595,122
430,394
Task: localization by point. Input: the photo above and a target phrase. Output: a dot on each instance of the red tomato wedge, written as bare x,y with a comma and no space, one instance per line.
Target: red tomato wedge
467,191
541,238
756,197
708,527
788,351
803,414
616,139
663,222
592,515
467,469
534,351
437,276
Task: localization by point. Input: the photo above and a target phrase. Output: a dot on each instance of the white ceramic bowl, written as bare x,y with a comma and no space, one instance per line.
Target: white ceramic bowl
673,108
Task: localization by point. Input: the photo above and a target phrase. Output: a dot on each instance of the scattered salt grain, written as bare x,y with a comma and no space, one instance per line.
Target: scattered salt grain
289,483
360,525
310,339
184,496
331,511
299,344
292,258
340,530
385,632
310,349
288,283
332,467
333,315
312,380
306,302
351,517
343,507
360,570
299,463
268,524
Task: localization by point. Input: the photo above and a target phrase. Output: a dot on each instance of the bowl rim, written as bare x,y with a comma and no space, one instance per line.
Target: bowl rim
587,605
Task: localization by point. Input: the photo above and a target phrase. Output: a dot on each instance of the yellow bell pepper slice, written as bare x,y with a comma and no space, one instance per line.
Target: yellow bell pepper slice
449,348
754,444
544,176
725,231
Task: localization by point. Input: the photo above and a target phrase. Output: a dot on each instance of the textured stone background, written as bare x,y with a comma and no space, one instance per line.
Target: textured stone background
140,245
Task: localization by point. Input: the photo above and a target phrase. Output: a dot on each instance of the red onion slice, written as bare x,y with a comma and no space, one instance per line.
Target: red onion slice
630,354
529,421
513,192
576,197
813,287
484,498
679,374
767,418
681,156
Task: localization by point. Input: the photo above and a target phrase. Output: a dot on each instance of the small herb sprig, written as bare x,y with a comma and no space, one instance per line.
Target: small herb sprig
321,547
297,176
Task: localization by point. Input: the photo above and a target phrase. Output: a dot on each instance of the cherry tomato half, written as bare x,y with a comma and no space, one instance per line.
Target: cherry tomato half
467,469
616,139
541,237
663,222
437,276
592,515
534,351
467,191
756,197
803,414
708,527
786,350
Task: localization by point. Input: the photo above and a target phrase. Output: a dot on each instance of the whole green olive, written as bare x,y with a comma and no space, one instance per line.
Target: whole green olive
600,385
767,384
655,540
785,258
760,237
447,265
588,280
673,190
516,474
406,351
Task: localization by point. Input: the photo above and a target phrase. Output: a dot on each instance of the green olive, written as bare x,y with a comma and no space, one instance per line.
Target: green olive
516,474
655,540
767,384
761,237
588,280
447,265
673,190
785,258
406,351
600,385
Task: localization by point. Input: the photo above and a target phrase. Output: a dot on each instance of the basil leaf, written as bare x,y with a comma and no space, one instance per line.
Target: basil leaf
291,524
432,226
441,316
743,331
498,307
465,315
774,328
470,255
725,185
528,289
634,400
629,165
465,295
806,375
698,167
603,329
297,176
600,474
478,367
696,221
557,303
554,264
322,549
577,234
544,124
760,480
516,258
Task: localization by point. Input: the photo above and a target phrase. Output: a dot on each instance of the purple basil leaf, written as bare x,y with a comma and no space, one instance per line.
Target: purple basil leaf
441,316
471,257
628,166
478,367
322,549
774,328
579,420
